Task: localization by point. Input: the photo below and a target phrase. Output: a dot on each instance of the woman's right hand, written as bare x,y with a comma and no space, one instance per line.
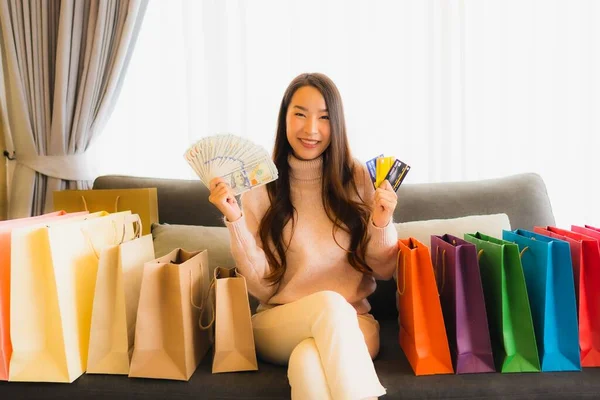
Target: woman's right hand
223,197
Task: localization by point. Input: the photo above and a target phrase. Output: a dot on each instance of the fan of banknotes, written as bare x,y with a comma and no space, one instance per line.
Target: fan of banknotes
242,163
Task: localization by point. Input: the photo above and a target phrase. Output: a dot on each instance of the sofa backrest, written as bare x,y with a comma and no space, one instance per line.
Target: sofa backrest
522,197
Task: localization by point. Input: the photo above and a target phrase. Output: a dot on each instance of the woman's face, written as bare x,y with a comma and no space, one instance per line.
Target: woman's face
307,123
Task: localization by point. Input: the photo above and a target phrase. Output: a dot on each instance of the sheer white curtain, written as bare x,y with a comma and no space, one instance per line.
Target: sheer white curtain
460,90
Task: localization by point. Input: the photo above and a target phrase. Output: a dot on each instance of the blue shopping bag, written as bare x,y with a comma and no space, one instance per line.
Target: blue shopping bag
549,278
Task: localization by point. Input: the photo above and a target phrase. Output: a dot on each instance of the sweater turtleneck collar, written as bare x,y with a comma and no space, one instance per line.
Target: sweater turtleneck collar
302,170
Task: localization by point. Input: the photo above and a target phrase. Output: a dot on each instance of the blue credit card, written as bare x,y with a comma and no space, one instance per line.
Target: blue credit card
372,167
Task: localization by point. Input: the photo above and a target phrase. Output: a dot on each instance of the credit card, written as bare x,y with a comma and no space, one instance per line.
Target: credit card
397,173
372,168
383,166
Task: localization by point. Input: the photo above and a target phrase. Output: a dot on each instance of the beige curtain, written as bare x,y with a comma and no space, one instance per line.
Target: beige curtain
63,63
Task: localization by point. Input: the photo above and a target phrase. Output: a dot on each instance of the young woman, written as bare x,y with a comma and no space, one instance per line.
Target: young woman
311,245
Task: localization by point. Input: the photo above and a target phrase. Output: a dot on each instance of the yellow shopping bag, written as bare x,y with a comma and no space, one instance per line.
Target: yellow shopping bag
6,228
141,201
53,275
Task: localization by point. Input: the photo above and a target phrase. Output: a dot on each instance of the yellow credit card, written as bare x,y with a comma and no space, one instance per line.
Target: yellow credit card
382,167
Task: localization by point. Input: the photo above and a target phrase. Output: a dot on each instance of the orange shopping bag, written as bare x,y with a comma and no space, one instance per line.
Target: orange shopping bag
422,331
6,228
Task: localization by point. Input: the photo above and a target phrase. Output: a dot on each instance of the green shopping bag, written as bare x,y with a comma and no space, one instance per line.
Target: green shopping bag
509,314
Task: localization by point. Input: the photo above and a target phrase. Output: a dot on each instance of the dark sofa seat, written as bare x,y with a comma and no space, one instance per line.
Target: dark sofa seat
270,382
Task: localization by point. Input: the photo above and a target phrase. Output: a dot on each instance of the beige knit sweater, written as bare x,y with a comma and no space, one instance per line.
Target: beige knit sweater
314,261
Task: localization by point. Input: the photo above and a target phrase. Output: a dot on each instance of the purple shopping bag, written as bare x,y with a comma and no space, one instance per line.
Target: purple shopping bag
463,304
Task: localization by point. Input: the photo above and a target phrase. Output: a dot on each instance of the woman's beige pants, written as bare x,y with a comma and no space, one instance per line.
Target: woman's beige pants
327,348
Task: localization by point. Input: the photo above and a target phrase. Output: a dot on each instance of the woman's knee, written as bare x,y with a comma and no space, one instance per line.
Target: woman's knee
304,357
332,302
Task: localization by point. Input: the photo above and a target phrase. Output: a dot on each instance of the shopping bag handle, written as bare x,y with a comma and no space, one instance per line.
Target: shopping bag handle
523,251
437,253
203,306
137,226
89,240
401,292
86,206
520,253
211,288
87,237
137,233
524,248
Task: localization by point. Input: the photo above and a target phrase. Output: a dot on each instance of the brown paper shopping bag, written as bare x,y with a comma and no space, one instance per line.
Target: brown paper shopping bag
141,201
169,343
116,299
53,275
234,339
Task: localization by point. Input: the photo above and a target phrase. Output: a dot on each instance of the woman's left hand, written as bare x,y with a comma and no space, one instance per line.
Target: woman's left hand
384,204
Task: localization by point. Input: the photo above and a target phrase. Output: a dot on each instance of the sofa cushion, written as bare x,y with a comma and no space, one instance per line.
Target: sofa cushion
213,238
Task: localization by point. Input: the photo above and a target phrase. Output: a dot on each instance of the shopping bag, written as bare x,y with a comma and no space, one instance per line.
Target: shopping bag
234,338
53,274
116,299
588,228
507,304
140,201
463,304
422,333
6,228
585,258
169,343
549,278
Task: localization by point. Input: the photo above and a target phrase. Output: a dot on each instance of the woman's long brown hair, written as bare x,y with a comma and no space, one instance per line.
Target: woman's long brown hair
339,190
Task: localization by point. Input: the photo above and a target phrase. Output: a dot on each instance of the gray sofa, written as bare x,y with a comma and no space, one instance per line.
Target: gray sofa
522,197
